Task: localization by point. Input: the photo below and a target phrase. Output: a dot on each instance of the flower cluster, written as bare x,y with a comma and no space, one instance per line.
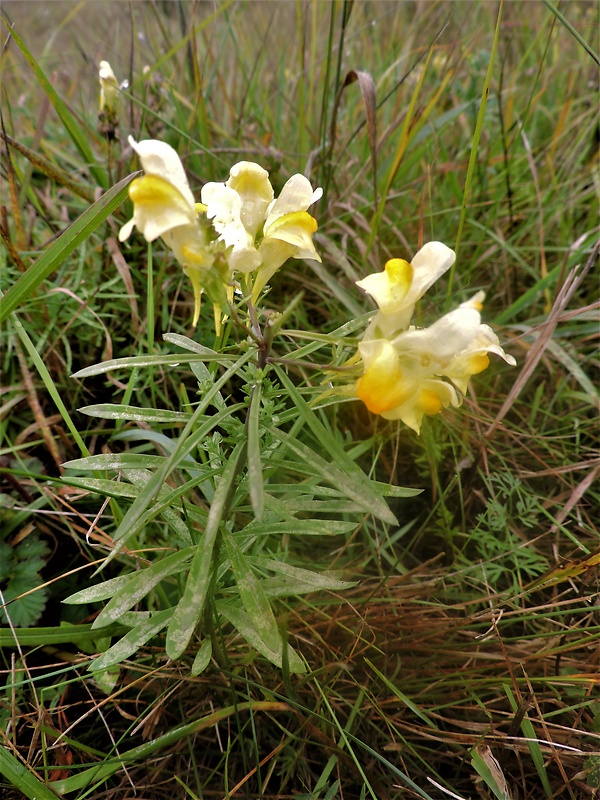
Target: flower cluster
240,234
404,367
239,228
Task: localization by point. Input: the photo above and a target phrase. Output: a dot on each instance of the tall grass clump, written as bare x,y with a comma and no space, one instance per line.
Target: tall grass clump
265,533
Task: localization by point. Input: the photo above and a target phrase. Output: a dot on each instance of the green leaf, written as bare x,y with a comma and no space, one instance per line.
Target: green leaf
132,641
62,247
255,469
139,584
6,560
299,527
115,461
147,361
344,473
191,605
360,491
294,580
203,657
23,611
401,696
189,344
103,486
241,621
532,744
115,411
34,637
101,591
189,438
255,601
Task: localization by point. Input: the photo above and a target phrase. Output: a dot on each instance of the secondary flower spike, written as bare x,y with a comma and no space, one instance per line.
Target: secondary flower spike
410,372
109,88
164,206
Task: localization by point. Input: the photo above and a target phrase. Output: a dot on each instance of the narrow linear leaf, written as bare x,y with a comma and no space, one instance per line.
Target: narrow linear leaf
254,599
140,584
300,527
145,513
132,641
191,605
146,361
358,486
101,591
203,657
188,439
532,744
21,777
33,637
103,486
574,33
115,461
189,344
284,586
401,696
255,471
360,492
241,621
131,413
315,580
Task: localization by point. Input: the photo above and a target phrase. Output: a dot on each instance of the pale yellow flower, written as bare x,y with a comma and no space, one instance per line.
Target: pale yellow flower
288,229
261,232
403,376
397,289
164,206
397,387
237,210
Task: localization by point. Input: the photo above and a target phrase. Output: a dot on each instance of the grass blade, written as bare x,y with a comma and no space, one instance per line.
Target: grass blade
101,772
20,776
44,637
79,137
588,48
54,256
475,143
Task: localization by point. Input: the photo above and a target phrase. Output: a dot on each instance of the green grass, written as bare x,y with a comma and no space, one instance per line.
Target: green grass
461,651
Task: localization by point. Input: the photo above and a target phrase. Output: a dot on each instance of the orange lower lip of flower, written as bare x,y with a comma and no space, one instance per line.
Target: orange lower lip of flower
382,392
429,402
